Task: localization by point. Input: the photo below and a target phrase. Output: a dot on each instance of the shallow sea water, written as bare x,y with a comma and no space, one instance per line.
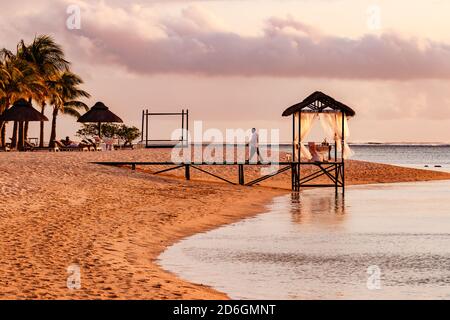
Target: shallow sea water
378,242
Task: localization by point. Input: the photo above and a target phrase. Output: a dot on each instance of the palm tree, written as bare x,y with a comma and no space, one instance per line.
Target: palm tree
48,59
18,79
64,92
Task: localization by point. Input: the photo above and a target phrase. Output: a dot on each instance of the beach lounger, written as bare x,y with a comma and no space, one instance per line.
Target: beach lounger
91,145
126,146
32,147
28,146
62,147
95,145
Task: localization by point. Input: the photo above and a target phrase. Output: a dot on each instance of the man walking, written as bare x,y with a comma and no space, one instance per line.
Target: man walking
254,146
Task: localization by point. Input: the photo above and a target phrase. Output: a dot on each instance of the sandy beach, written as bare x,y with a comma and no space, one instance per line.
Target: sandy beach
58,209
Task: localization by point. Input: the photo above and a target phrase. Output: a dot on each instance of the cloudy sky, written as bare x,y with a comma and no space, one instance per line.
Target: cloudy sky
240,63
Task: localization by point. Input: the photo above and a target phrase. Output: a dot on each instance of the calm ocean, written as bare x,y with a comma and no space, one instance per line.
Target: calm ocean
436,157
380,242
386,241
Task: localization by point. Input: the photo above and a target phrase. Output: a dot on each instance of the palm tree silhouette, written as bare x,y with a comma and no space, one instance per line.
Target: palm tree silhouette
18,79
64,92
48,59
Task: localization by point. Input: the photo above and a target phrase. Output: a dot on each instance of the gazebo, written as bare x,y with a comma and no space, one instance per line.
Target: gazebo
334,117
22,111
99,114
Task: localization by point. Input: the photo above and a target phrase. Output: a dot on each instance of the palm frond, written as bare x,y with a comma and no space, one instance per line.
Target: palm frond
71,112
76,105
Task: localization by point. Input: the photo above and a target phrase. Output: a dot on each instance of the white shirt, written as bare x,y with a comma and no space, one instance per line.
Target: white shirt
254,140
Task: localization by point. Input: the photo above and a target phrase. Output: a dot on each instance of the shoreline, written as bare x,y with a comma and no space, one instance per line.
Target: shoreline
292,239
226,217
114,223
245,211
246,214
265,202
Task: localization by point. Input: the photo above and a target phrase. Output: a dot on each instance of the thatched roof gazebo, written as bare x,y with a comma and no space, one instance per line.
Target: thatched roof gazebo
99,113
319,102
22,111
334,117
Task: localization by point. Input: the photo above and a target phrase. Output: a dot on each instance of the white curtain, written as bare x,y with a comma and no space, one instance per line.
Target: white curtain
307,120
332,124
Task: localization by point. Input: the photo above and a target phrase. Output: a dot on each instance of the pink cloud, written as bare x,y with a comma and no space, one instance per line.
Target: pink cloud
195,43
278,52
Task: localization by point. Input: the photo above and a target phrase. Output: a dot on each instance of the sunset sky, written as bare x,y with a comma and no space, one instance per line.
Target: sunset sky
240,63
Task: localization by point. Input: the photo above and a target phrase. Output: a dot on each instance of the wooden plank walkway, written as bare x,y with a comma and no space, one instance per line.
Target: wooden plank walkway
166,163
325,168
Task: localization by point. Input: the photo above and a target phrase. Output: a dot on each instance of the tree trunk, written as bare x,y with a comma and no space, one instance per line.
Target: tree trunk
25,131
3,134
41,133
21,141
3,124
14,135
53,132
26,124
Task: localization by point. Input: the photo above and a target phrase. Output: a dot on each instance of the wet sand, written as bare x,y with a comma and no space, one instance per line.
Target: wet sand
58,209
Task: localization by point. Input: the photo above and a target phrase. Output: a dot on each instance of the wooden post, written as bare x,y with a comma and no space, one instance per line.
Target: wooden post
21,143
187,128
343,145
335,148
241,175
146,129
25,131
182,127
142,131
187,171
299,149
336,176
293,176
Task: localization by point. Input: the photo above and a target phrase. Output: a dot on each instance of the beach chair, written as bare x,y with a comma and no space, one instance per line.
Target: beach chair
95,145
126,146
27,146
62,147
84,147
92,146
89,146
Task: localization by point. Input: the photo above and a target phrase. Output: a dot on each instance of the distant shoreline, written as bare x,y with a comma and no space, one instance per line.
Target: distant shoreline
354,144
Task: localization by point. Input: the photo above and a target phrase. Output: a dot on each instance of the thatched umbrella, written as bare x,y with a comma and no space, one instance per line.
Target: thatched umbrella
99,113
22,111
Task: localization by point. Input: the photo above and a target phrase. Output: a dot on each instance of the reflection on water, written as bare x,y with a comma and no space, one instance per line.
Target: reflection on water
319,246
318,207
